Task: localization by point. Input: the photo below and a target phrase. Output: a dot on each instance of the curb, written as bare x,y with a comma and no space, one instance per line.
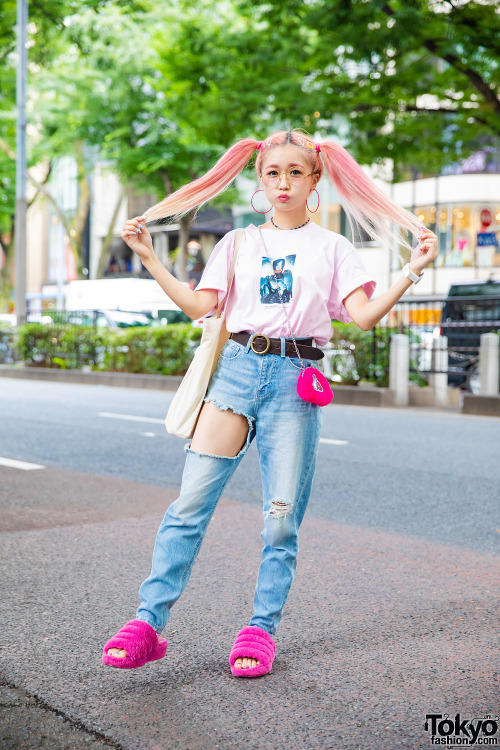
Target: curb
487,406
347,395
119,379
344,394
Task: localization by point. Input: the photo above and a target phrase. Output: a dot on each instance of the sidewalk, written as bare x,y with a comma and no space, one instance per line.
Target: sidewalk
27,722
380,628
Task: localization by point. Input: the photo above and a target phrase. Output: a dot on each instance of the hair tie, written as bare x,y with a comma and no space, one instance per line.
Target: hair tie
318,148
259,145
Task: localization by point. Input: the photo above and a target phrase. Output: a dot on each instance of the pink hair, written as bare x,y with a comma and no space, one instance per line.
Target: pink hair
364,203
205,188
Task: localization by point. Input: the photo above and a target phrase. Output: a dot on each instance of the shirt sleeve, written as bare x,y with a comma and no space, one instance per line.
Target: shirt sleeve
215,273
349,275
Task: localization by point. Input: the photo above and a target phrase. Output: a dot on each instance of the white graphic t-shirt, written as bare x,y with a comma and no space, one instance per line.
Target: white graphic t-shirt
312,268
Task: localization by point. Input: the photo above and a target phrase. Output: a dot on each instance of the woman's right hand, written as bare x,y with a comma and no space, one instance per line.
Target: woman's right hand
137,237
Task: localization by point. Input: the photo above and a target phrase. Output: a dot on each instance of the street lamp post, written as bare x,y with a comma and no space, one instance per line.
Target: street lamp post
21,165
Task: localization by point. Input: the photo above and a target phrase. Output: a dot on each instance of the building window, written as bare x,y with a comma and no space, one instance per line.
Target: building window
460,251
464,238
468,234
443,231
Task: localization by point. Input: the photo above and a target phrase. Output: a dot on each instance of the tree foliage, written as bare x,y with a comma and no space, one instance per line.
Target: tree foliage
418,81
161,90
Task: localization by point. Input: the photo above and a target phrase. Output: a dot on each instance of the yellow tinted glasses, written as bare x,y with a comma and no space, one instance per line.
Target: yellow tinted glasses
294,175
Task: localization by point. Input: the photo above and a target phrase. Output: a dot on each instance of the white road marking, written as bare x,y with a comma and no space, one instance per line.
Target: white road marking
130,417
24,465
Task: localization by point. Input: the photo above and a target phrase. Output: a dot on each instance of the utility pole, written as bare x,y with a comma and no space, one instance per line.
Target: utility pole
21,164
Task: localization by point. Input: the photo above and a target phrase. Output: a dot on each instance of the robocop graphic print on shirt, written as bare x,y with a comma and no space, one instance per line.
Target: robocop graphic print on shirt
276,279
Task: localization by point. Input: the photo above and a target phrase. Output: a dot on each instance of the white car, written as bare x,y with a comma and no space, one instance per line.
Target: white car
110,318
8,319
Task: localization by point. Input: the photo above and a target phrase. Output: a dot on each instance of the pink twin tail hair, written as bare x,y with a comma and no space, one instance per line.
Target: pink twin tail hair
205,188
363,202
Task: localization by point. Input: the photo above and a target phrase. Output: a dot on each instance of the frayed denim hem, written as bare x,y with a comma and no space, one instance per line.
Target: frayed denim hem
221,407
148,621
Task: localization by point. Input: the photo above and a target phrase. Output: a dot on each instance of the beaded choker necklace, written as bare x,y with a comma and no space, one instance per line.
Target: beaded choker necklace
289,230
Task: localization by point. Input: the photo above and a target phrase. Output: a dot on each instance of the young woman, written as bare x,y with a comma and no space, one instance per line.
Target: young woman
318,275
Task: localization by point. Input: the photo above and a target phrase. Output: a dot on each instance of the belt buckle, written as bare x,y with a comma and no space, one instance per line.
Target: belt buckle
261,336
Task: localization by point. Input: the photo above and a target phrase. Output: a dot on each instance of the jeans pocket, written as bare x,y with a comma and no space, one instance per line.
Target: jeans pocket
231,349
295,362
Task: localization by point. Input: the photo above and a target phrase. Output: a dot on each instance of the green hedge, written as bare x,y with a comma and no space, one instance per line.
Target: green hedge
157,350
168,350
57,346
371,352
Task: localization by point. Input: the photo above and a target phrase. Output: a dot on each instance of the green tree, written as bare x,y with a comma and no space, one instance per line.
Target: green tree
418,81
60,95
102,94
45,22
162,90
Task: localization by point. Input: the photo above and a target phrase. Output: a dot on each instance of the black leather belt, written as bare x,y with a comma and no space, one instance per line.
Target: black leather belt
262,344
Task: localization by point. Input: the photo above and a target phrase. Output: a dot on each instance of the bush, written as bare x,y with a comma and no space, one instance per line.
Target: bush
159,351
8,350
370,350
167,350
371,354
63,347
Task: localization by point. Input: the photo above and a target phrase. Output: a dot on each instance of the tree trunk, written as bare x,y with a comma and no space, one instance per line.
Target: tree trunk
76,231
106,243
184,231
7,273
166,181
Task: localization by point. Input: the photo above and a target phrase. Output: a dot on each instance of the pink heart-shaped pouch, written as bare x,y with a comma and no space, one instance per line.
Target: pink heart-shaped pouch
314,387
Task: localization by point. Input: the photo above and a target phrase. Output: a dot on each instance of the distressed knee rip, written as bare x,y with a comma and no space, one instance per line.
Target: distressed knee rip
187,447
279,509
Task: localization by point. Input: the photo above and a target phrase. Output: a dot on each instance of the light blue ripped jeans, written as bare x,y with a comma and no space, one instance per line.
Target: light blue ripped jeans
264,389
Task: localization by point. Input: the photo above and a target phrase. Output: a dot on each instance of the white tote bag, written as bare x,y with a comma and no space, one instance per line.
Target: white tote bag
186,405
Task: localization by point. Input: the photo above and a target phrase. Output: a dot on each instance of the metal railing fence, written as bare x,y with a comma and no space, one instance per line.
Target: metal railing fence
461,319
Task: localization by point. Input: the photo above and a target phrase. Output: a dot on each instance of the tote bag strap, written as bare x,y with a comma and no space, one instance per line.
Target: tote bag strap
239,234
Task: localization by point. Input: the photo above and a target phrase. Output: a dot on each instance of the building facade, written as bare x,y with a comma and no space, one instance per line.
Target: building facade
463,209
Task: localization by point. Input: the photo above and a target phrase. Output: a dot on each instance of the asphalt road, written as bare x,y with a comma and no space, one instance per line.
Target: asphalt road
393,613
432,474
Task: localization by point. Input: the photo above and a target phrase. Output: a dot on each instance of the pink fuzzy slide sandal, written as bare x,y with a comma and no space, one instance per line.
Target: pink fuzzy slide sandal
140,641
256,643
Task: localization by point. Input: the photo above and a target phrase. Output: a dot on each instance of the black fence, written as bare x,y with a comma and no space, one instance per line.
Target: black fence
107,318
8,350
461,319
90,318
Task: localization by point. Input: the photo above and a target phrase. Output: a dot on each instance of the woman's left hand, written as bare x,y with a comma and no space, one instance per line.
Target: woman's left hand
425,252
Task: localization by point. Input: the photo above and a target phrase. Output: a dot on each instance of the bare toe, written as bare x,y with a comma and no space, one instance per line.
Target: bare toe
120,653
249,663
